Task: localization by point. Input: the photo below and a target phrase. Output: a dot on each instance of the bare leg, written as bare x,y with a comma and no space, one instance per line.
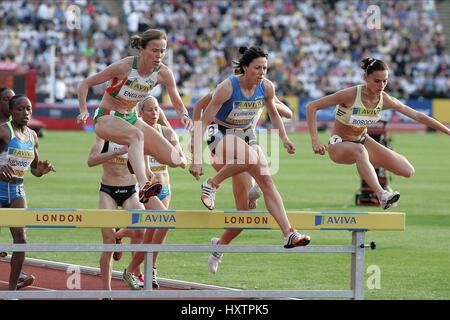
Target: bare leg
382,157
17,258
242,184
109,237
121,132
158,147
349,153
235,156
155,204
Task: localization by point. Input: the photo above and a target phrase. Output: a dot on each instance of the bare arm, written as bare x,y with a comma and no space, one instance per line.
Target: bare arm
200,106
162,120
343,97
167,78
172,137
283,110
39,168
220,96
96,156
116,70
393,103
275,117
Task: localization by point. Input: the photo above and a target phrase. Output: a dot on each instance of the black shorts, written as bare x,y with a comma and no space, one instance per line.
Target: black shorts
119,194
216,132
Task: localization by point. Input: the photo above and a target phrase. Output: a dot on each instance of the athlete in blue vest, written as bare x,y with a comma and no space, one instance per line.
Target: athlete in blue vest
236,104
18,147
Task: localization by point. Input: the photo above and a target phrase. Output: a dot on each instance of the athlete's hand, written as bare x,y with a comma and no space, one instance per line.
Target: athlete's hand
289,146
82,117
319,148
196,170
44,167
6,172
187,122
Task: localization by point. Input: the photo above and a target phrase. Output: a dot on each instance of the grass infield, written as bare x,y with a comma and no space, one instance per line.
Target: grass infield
413,264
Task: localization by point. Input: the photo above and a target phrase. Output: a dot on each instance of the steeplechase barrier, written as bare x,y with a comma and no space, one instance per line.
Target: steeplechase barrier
356,222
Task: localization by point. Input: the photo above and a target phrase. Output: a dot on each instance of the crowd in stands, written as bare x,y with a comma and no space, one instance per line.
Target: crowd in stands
315,46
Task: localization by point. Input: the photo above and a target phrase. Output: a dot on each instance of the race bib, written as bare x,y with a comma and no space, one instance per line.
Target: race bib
211,130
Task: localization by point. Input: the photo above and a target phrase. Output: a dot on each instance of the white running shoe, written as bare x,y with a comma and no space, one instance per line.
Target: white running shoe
208,195
139,280
253,195
296,239
214,258
389,199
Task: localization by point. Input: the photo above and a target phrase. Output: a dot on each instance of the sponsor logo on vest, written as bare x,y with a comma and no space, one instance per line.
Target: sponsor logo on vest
20,153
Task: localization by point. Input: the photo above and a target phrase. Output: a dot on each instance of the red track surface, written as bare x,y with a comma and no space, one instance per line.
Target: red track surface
51,279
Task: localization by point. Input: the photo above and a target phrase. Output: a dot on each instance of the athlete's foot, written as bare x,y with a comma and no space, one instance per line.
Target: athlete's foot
389,199
150,189
214,258
253,195
208,194
296,239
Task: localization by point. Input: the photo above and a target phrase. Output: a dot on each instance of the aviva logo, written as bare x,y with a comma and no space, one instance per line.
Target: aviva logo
335,220
152,218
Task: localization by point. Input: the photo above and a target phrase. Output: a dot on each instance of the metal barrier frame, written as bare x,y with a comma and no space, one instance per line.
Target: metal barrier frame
356,291
356,222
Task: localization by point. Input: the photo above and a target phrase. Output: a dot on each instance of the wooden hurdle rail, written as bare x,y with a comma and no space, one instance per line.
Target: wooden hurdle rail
356,222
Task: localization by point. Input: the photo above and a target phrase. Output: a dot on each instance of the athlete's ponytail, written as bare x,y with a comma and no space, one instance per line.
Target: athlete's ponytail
370,65
141,41
136,42
248,55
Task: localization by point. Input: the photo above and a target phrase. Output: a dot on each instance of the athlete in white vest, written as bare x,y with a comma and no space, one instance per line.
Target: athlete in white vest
131,79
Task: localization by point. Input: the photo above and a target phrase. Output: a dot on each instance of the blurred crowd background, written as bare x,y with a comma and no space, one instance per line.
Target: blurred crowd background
315,46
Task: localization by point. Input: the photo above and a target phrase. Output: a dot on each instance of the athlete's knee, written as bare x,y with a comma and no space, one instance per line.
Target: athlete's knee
110,239
359,152
138,234
135,135
176,160
409,172
266,183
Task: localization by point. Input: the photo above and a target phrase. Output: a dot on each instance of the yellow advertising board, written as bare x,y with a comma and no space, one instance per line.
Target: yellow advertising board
196,219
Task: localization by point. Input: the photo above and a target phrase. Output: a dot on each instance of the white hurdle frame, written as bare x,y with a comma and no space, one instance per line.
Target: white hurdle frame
356,222
356,280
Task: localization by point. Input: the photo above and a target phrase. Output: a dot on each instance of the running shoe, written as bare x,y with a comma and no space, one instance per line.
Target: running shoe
253,195
214,258
389,199
150,189
208,195
131,280
155,284
295,239
25,280
140,280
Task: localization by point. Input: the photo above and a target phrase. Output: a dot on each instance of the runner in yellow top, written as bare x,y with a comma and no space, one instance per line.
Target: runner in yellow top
358,108
150,112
